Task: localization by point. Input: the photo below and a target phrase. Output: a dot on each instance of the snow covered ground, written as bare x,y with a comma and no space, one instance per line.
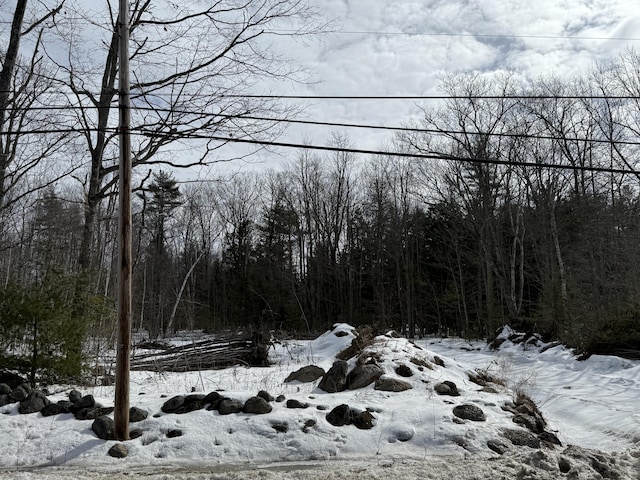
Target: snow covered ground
591,404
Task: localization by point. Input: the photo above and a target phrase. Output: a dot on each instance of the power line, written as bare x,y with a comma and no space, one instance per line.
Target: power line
425,156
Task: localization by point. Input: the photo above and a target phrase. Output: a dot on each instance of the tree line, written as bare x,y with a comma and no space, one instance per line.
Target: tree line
510,201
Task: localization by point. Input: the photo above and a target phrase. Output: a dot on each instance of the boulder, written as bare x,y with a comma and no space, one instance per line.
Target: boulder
340,415
335,380
521,437
229,405
266,395
310,373
74,396
469,412
11,379
92,413
104,427
363,420
171,405
213,399
5,400
191,403
18,394
5,389
34,402
404,371
292,403
52,409
119,450
497,446
85,402
176,432
447,388
364,375
137,414
257,405
388,384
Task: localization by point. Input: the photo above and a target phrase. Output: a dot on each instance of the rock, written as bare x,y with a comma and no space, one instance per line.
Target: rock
5,389
469,412
135,433
52,409
447,388
34,402
92,413
363,420
66,406
292,403
387,384
257,405
176,432
137,414
18,394
171,405
229,405
280,427
340,415
280,398
74,396
521,438
85,402
191,403
497,446
104,427
404,371
364,375
306,374
438,361
335,380
266,395
119,450
10,379
564,464
550,438
213,399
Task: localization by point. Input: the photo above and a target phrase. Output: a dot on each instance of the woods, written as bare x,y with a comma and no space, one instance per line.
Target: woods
510,202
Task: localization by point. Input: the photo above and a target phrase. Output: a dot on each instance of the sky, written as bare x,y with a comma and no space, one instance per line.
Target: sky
402,47
590,405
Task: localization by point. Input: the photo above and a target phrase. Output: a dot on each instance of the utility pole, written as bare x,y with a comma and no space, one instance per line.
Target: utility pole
123,359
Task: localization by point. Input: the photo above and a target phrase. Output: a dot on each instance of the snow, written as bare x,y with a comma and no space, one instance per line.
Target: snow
591,404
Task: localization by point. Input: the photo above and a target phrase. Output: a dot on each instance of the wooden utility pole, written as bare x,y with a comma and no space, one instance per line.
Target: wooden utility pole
123,358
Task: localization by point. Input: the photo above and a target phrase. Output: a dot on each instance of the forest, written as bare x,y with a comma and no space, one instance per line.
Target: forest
509,201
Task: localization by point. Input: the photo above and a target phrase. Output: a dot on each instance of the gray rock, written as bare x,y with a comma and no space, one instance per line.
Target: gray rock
92,413
104,427
229,405
11,379
66,406
521,438
388,384
292,403
310,373
266,395
5,389
119,450
257,405
363,420
469,412
364,375
447,388
74,396
176,432
34,403
52,409
213,399
85,402
497,446
335,380
340,415
191,403
137,414
5,400
171,405
404,371
18,394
